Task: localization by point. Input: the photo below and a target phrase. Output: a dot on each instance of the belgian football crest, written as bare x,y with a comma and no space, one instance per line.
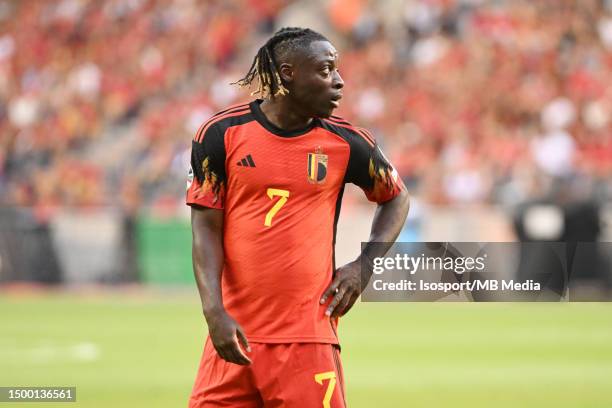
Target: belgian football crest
317,166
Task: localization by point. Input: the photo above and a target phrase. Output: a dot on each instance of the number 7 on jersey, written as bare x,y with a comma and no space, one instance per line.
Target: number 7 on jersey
275,192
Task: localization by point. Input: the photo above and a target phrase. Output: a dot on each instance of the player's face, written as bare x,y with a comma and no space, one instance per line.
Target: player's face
317,85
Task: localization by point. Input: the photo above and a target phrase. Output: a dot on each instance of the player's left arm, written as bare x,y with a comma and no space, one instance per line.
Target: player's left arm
369,169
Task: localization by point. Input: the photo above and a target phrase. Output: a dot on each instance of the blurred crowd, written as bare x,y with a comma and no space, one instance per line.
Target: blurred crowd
474,101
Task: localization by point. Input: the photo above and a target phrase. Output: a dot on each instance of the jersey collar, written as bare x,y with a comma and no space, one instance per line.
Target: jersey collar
263,121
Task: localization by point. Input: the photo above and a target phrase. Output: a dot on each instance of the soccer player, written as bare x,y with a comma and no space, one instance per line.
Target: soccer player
265,189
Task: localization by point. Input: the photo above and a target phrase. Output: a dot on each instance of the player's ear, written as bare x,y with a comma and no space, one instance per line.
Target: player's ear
286,72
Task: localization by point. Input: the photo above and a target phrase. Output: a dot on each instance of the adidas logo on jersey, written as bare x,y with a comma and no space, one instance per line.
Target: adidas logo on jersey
246,162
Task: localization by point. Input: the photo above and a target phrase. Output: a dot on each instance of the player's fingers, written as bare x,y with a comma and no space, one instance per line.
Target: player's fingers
341,304
237,354
335,301
330,290
243,340
226,352
237,357
230,356
221,353
348,307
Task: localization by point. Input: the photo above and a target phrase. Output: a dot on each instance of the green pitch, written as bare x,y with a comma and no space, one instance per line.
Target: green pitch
142,351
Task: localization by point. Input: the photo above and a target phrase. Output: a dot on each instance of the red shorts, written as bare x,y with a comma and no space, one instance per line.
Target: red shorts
280,375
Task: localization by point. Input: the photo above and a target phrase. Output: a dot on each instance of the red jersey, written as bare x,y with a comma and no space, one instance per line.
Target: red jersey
280,192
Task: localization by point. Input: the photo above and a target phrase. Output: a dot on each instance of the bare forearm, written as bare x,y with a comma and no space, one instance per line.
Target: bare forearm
207,256
386,226
208,279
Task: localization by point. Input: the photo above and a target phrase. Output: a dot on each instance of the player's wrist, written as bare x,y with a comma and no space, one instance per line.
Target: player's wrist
365,261
213,312
366,265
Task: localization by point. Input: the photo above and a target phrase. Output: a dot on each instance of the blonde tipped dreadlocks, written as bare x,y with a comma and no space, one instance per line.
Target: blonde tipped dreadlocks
264,67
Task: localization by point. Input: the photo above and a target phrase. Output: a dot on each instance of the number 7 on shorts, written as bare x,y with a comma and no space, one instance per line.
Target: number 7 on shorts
331,376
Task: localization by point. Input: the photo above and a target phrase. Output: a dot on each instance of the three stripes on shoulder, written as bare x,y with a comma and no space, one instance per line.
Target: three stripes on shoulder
246,162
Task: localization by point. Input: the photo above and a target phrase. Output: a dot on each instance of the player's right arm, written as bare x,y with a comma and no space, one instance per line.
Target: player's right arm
205,195
207,255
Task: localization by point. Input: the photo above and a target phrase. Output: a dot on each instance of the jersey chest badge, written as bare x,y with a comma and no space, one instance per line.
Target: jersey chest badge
317,166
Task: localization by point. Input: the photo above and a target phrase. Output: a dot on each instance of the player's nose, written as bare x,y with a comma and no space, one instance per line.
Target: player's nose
338,82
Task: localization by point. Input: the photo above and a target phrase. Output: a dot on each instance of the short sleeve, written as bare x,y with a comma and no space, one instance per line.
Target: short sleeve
369,169
207,179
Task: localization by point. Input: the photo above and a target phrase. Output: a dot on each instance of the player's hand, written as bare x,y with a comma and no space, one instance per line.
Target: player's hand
227,336
345,289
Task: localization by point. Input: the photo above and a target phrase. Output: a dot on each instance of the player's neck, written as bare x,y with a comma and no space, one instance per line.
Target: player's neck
283,115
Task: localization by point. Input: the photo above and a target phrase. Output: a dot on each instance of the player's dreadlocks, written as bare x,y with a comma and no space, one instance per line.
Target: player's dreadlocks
264,67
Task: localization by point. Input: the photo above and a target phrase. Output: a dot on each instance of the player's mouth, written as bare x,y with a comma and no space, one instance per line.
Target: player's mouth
335,100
